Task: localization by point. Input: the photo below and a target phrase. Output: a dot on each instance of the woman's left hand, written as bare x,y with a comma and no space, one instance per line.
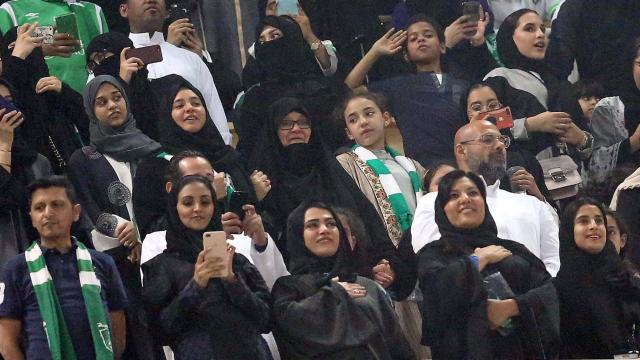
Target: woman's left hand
383,274
49,83
252,225
499,311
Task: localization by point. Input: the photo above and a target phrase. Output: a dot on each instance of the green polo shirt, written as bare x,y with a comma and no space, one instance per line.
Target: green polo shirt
91,22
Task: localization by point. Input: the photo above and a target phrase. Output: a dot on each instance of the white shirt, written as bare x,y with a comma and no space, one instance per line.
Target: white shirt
185,63
519,217
269,263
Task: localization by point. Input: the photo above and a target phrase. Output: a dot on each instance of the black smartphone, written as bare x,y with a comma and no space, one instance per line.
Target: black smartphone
7,105
180,10
236,201
472,10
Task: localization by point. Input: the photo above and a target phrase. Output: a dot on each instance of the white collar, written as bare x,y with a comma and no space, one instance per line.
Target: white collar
491,189
145,40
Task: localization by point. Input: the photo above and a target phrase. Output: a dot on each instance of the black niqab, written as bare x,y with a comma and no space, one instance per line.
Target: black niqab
286,59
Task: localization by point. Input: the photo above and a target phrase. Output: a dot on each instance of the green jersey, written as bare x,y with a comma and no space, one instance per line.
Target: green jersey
91,22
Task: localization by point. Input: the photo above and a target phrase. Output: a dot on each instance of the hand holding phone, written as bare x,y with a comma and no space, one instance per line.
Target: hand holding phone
216,253
68,24
236,201
501,118
287,7
148,54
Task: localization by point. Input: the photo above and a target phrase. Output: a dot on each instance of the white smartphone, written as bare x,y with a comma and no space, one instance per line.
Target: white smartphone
216,241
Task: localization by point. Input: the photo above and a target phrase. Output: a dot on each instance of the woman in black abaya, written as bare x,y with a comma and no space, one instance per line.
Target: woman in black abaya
598,300
325,309
304,170
182,125
529,87
459,318
286,67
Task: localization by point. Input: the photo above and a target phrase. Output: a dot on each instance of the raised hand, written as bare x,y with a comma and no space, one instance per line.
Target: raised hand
49,83
25,43
390,43
129,66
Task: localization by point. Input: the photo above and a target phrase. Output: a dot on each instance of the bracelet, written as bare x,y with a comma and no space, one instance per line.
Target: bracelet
5,150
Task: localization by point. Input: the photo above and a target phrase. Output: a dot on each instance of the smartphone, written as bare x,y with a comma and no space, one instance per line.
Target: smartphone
68,24
148,54
180,10
501,118
216,241
471,9
44,31
7,105
236,201
287,7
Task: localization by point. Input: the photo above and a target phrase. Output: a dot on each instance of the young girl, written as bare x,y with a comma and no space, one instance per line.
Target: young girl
389,180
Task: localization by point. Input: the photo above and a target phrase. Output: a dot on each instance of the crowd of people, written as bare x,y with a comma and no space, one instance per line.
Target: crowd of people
504,225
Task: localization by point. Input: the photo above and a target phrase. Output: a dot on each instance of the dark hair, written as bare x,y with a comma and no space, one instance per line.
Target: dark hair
567,221
464,99
190,179
420,17
431,172
589,88
621,227
380,100
173,173
447,182
354,222
53,181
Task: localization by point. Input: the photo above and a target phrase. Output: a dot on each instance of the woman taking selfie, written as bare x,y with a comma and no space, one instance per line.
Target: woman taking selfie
503,305
206,306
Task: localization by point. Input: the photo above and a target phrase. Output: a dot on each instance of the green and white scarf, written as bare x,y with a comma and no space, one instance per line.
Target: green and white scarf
389,184
55,328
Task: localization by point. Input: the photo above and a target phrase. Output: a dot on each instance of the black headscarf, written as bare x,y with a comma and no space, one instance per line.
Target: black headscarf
21,152
207,141
112,42
182,241
287,59
302,172
465,241
304,261
125,143
595,286
561,96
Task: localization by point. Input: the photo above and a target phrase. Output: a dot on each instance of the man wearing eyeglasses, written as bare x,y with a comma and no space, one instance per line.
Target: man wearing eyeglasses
480,148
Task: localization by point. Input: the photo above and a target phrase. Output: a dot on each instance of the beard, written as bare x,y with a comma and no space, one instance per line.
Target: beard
491,169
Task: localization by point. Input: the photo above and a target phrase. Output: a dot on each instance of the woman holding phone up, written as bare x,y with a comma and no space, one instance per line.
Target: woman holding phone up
201,313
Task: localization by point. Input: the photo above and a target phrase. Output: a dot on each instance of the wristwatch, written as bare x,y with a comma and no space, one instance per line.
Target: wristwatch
315,45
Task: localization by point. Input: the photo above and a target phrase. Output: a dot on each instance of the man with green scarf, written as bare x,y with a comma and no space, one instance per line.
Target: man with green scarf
67,300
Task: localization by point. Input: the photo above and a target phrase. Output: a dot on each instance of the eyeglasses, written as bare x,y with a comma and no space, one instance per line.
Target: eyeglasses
491,106
289,124
490,140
